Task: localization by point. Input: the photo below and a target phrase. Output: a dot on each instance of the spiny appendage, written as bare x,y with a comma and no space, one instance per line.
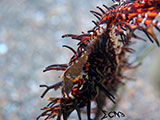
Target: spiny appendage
140,15
58,67
62,67
78,97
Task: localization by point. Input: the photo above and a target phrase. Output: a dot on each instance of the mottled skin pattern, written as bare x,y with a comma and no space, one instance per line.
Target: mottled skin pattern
96,68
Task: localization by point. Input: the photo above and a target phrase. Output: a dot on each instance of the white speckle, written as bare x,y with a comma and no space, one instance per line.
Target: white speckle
131,22
103,26
154,21
146,15
81,87
124,16
129,8
130,4
101,29
143,2
139,15
92,115
116,3
144,19
76,61
65,95
91,33
70,95
134,20
3,48
74,86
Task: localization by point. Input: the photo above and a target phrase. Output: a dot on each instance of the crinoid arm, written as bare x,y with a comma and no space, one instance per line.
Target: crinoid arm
95,71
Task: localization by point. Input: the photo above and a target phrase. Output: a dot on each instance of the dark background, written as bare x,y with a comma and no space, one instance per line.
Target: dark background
30,40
